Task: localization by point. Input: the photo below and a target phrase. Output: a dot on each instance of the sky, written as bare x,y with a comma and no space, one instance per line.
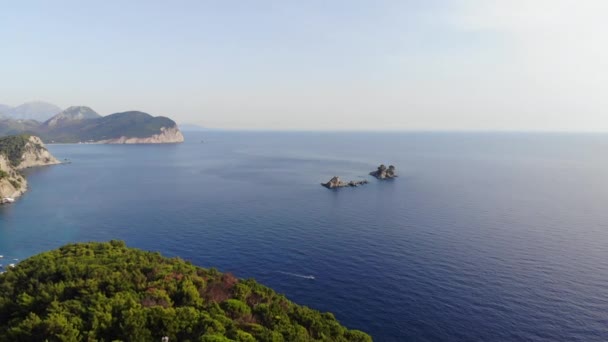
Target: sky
539,65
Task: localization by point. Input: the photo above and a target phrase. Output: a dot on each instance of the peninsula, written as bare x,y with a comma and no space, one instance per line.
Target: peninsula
81,124
17,153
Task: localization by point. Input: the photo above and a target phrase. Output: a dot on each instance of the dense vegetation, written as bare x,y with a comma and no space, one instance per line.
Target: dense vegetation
108,292
130,124
12,147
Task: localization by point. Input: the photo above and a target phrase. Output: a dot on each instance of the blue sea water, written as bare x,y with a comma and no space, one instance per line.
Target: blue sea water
483,237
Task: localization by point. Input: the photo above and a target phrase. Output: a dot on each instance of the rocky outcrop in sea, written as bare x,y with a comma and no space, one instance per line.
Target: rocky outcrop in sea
335,182
384,173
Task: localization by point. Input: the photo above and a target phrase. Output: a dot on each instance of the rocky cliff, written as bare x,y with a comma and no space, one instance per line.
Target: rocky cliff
12,183
17,153
166,136
35,154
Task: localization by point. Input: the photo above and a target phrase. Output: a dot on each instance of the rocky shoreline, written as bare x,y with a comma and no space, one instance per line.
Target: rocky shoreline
171,135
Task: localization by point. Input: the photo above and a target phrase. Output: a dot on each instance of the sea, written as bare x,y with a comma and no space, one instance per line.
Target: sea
482,237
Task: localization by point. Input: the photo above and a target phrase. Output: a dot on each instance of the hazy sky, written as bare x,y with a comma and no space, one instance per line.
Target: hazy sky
327,64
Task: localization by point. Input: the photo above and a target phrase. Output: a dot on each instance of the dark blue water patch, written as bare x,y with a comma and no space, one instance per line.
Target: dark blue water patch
499,237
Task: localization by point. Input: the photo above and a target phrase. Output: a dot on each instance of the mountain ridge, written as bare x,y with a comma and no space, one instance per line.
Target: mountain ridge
72,114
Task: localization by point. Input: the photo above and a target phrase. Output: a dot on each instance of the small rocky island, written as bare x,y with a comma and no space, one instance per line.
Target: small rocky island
384,173
335,182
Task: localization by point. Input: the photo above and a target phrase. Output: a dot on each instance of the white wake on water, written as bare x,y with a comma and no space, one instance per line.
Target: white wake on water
297,275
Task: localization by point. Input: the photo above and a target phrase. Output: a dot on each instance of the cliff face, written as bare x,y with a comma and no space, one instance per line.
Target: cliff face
36,154
166,136
12,183
17,153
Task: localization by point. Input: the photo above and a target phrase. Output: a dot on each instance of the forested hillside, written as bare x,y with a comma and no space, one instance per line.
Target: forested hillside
108,292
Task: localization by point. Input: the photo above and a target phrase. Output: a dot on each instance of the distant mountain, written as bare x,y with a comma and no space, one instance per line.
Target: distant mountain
36,110
4,109
10,126
71,115
191,128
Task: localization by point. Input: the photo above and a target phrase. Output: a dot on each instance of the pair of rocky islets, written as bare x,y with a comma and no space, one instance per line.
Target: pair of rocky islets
382,173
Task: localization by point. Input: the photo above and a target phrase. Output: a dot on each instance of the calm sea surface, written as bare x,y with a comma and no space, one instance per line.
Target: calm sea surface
484,237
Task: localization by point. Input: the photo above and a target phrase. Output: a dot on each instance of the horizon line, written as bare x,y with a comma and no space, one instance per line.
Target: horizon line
480,131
